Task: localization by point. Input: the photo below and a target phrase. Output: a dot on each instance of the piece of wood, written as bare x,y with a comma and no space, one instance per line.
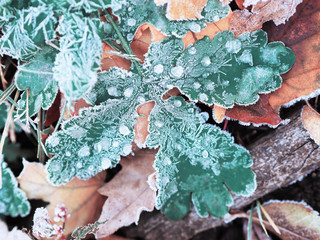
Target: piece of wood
280,158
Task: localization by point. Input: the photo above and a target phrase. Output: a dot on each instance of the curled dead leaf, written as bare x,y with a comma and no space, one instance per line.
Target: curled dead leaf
128,193
311,121
80,197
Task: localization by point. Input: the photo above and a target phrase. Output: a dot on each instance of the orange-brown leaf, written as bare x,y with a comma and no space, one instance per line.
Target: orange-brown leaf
128,193
301,34
80,197
219,113
183,9
311,121
277,10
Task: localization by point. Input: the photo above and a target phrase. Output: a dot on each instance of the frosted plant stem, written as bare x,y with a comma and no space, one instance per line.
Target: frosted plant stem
4,134
6,93
11,100
36,136
124,43
250,224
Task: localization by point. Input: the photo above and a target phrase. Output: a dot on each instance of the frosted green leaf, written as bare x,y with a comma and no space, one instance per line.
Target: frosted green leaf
24,35
37,76
196,161
94,5
77,63
134,13
91,142
13,201
223,71
114,84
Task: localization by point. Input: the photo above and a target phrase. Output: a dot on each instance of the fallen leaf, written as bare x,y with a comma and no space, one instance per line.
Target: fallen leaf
80,197
311,121
301,34
296,220
183,9
219,113
114,237
14,234
240,3
128,193
257,232
262,11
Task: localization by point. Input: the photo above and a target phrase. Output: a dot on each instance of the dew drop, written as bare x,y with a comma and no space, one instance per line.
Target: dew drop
177,103
210,86
107,28
53,141
112,91
205,61
124,130
90,168
128,92
129,36
194,27
196,85
141,99
158,124
131,22
203,97
177,71
105,163
68,154
84,151
115,144
192,51
167,161
129,9
205,154
127,149
98,147
158,68
79,165
221,154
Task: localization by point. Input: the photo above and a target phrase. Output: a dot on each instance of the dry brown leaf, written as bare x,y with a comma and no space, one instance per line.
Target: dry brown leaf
257,232
311,121
114,237
14,234
219,113
80,197
183,9
277,10
296,221
128,193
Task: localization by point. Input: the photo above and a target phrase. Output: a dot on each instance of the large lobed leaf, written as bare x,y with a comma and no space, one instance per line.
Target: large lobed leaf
195,161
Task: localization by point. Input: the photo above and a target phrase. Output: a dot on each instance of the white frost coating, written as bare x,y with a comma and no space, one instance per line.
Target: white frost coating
177,71
84,151
194,27
141,99
246,57
127,149
41,224
167,161
233,46
79,165
112,91
53,141
115,144
105,163
177,103
205,154
205,61
131,22
77,132
68,154
158,68
128,92
196,85
98,147
203,97
158,124
130,36
192,50
124,130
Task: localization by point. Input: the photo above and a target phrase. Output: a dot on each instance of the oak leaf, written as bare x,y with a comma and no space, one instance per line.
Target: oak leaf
183,9
80,197
128,193
262,11
311,121
295,220
14,234
301,34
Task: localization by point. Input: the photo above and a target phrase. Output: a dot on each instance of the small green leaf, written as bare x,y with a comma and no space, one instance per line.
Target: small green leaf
195,161
77,63
3,114
13,201
37,76
91,142
24,35
135,13
223,71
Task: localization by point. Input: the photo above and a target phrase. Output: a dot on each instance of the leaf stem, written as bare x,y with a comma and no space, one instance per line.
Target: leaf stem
6,93
124,43
61,117
11,100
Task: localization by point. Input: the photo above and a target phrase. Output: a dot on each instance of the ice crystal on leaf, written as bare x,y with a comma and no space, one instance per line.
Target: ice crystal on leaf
13,201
